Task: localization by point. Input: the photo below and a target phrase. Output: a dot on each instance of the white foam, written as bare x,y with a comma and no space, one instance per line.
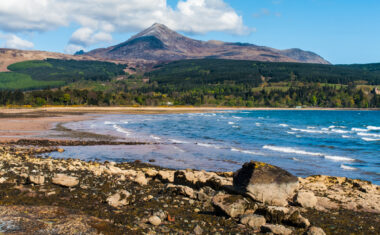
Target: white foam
373,127
209,145
339,131
359,129
331,127
121,130
370,139
178,141
231,123
302,152
291,132
346,136
245,151
237,117
109,123
310,127
308,130
179,149
369,134
283,125
258,124
155,137
296,159
349,168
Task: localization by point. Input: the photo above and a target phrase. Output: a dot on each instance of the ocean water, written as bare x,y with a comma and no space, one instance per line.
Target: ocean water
339,143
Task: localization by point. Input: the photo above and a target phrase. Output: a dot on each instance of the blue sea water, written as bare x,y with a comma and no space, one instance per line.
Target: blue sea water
339,143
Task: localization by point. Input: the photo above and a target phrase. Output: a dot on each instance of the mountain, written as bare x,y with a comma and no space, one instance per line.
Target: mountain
159,43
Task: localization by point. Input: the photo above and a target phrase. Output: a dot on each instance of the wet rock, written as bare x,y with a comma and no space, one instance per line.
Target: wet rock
119,198
232,205
306,199
276,229
183,190
315,231
198,230
252,220
275,214
155,220
265,183
65,180
37,179
60,150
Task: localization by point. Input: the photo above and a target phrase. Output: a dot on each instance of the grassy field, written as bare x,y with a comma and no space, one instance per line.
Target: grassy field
14,81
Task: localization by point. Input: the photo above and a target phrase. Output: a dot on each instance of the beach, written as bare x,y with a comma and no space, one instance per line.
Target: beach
43,194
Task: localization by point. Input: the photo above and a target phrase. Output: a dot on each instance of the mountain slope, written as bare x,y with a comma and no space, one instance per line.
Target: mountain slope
159,43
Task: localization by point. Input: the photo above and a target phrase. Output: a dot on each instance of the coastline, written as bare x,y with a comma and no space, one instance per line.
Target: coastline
122,198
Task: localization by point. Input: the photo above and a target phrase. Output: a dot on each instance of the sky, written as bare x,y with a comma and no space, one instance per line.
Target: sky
341,31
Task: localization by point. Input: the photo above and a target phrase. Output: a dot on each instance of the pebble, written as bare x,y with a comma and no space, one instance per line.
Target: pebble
155,220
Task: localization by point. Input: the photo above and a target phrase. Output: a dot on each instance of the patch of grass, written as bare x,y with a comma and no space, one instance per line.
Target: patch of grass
28,65
13,81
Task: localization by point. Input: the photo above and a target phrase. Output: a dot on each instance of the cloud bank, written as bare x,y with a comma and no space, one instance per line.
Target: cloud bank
98,19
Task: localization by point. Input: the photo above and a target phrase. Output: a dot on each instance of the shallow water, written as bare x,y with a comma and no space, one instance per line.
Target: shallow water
340,143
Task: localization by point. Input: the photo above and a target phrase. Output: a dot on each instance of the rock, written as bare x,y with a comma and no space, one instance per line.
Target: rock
2,180
140,179
276,229
65,180
60,150
315,231
155,220
265,183
254,221
306,199
37,179
198,230
118,199
232,205
297,220
275,214
166,175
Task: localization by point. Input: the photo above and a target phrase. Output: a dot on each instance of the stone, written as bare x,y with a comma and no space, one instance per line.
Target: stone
65,180
297,220
140,179
60,150
276,229
37,179
166,175
306,199
265,183
198,230
254,221
315,231
119,199
276,214
232,205
155,220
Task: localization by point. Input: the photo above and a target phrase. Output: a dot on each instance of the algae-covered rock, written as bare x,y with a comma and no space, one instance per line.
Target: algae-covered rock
265,183
276,229
306,199
65,180
315,231
119,198
37,179
252,220
232,205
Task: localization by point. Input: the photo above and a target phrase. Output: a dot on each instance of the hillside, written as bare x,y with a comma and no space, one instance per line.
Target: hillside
159,43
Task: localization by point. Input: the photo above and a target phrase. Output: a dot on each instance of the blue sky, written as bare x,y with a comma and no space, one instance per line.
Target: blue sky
341,31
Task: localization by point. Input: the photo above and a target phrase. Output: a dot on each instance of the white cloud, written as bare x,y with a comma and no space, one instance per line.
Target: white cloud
100,18
15,42
71,48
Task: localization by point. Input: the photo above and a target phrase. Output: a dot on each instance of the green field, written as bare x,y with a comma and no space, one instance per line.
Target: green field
19,81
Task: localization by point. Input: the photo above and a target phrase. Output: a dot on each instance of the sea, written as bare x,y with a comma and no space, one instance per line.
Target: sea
337,143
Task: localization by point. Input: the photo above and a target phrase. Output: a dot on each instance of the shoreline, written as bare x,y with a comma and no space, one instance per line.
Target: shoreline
71,196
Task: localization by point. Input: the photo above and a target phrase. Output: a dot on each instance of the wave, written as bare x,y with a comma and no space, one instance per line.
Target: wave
339,131
178,141
209,145
155,137
310,127
121,130
109,123
308,130
283,125
291,132
359,129
302,152
245,151
369,134
370,139
179,149
348,167
346,136
258,124
373,127
231,123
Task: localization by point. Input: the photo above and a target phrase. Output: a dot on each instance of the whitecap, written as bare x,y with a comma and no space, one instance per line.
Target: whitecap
178,141
296,159
258,124
291,132
109,123
339,131
373,128
302,152
370,139
369,134
209,145
310,127
346,136
231,123
245,151
359,129
308,131
331,127
155,137
237,117
349,168
283,125
120,129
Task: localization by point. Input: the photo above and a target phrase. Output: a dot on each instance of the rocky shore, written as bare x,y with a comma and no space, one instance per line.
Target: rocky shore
41,195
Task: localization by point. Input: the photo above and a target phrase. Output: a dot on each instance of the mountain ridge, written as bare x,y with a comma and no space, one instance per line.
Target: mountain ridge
160,43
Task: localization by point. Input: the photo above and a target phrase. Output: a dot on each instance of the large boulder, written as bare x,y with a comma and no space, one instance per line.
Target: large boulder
265,183
306,199
65,180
